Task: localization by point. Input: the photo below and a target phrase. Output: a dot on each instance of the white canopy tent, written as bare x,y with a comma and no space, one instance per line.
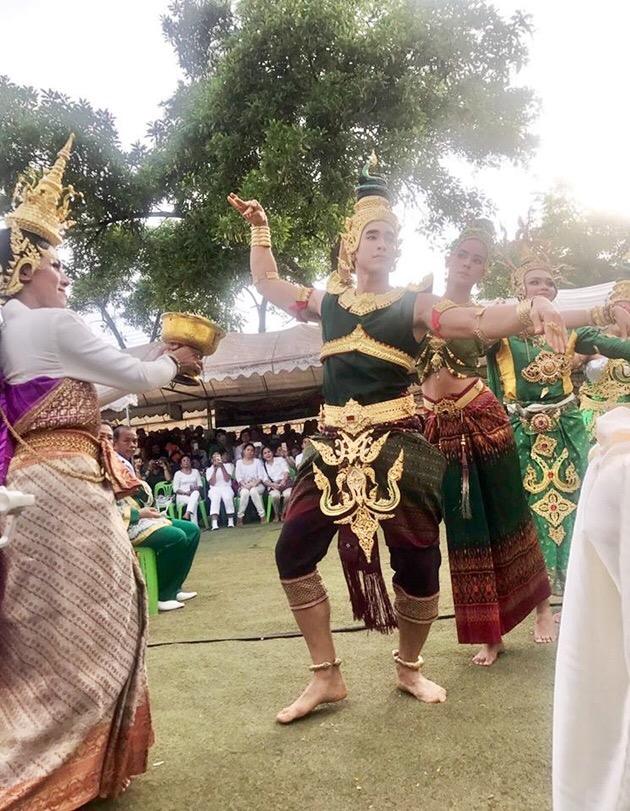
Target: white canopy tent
274,375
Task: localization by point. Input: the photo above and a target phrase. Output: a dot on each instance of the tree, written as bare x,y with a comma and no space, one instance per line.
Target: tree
282,100
593,245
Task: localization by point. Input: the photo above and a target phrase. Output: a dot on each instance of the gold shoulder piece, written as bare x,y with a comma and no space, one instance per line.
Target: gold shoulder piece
335,284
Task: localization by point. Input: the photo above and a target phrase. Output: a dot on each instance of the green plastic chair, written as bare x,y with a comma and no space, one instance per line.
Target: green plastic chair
165,489
268,509
201,509
148,566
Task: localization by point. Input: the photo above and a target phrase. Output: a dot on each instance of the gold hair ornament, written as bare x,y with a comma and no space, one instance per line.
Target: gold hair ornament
42,207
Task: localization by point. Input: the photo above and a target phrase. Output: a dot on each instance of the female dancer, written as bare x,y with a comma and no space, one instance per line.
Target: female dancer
75,710
535,384
497,569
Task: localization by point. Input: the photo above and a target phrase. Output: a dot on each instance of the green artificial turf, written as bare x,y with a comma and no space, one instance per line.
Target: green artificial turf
214,703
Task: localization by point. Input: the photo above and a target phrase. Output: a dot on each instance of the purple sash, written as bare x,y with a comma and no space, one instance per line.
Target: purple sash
16,401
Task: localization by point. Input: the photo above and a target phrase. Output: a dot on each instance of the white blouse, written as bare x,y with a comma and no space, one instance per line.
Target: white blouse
186,481
249,472
276,470
56,342
219,479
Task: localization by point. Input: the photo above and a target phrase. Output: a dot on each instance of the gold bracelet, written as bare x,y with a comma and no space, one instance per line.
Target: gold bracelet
260,236
523,311
478,332
620,292
601,316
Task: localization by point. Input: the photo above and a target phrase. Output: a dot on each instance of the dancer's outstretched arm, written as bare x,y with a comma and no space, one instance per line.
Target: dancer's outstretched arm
301,302
536,316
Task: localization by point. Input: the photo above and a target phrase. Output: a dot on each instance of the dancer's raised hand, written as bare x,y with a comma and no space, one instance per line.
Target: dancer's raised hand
250,210
549,322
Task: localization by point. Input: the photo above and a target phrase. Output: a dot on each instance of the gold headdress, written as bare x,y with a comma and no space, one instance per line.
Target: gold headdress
373,203
481,229
531,256
42,209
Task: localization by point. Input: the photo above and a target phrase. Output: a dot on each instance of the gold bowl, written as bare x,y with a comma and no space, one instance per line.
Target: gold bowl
192,330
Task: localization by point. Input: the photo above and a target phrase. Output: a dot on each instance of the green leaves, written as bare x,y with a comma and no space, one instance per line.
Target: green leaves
283,100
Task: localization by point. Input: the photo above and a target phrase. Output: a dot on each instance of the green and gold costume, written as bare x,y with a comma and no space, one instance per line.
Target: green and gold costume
610,390
535,385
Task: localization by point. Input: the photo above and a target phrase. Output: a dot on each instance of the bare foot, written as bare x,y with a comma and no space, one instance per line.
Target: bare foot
544,627
488,654
326,687
417,685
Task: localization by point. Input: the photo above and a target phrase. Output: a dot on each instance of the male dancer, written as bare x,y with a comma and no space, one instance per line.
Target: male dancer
370,466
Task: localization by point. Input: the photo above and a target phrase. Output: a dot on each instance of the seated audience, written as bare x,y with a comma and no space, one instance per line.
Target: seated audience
174,542
249,475
219,477
277,480
187,486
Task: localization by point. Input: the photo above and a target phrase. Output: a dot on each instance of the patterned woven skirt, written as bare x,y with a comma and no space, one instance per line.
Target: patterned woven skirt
497,568
74,709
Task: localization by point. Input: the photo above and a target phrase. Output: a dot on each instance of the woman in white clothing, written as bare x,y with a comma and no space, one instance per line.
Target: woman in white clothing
250,475
277,479
219,477
187,486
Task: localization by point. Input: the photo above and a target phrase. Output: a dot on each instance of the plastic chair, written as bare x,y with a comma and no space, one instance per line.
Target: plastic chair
268,509
148,566
201,508
165,489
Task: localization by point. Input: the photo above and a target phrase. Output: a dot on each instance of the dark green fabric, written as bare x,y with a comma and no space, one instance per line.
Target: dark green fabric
175,548
135,516
592,341
459,355
354,375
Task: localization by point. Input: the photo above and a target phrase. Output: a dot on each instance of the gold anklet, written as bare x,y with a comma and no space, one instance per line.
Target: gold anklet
325,666
410,665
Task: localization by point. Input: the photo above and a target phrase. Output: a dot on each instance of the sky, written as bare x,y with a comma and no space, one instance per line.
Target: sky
114,55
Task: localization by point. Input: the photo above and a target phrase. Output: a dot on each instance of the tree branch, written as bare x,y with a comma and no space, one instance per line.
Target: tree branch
156,327
111,324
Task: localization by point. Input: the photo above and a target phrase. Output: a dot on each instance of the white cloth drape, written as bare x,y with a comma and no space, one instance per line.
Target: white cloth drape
591,740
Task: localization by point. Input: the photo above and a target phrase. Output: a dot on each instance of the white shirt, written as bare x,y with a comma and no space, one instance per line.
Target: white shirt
126,463
186,481
56,342
298,459
249,472
219,479
276,470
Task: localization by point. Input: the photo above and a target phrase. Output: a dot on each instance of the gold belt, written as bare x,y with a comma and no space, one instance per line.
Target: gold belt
43,442
353,418
451,408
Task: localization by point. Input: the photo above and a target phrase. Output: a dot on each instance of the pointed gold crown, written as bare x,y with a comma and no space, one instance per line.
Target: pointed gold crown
527,254
42,207
373,203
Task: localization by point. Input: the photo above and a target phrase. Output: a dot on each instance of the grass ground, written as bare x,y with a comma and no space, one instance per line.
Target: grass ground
214,703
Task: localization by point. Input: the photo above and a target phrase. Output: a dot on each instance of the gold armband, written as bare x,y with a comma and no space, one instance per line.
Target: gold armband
260,277
620,292
478,332
260,236
601,316
524,313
